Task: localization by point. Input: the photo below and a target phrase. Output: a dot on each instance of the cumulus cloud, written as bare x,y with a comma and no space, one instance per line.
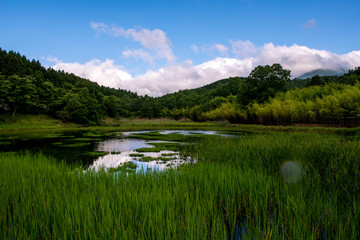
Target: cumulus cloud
221,48
301,59
243,48
311,23
138,54
105,73
171,78
155,40
215,49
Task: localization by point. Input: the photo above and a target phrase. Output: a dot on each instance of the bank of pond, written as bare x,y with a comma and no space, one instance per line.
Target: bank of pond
179,185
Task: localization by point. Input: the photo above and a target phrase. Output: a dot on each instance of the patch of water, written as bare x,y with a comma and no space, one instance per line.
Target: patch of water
126,134
189,132
184,132
115,160
121,145
118,147
195,132
128,146
120,151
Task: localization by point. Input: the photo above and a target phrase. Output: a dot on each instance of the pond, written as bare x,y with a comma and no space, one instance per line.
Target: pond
124,150
116,151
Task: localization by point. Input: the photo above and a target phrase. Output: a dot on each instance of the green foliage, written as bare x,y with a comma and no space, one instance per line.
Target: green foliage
17,92
226,111
161,146
235,190
27,87
95,154
127,167
312,104
266,96
264,82
79,105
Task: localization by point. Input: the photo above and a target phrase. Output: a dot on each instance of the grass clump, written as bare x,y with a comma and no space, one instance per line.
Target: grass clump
162,159
74,145
158,136
127,167
115,152
160,146
153,149
169,154
95,154
136,155
92,134
236,190
146,159
85,139
5,143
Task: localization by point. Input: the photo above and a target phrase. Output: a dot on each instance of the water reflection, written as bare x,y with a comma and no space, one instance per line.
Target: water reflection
190,132
84,147
124,150
115,160
196,132
121,145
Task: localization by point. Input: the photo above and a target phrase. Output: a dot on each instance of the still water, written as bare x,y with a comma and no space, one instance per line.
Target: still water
123,150
97,150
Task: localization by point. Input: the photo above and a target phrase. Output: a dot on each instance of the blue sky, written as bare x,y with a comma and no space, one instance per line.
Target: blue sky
156,47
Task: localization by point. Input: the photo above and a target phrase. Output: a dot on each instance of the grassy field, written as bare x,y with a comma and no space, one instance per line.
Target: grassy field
29,124
274,185
32,123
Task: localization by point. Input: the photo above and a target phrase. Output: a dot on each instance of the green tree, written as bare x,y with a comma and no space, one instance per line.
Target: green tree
264,82
316,80
113,106
4,90
18,93
79,106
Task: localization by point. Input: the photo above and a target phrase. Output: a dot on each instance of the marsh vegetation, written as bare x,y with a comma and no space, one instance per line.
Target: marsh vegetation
278,185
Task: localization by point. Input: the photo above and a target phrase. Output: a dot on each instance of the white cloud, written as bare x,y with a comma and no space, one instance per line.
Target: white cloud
155,40
298,59
243,48
215,49
221,48
301,59
104,73
101,28
49,61
311,23
138,54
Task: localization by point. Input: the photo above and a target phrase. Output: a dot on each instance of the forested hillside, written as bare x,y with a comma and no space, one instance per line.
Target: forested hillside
266,96
27,87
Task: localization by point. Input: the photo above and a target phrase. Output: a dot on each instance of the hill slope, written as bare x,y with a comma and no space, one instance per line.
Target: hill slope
28,88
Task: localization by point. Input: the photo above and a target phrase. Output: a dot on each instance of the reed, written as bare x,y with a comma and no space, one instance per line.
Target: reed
238,189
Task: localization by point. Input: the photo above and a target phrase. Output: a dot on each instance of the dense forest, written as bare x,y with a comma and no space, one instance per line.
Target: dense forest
266,96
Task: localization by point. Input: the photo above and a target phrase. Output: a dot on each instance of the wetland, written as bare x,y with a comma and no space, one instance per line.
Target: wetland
95,150
180,184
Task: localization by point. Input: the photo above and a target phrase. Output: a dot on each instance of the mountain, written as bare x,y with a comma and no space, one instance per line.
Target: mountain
322,72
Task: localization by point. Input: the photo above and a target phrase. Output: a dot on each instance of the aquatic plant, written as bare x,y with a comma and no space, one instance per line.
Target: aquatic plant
236,190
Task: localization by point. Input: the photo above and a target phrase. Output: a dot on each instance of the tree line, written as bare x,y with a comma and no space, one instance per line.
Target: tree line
266,96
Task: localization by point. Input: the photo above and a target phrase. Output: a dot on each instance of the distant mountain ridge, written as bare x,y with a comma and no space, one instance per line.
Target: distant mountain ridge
322,72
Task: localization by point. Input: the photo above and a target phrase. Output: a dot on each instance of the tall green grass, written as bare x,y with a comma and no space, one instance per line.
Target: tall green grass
234,191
